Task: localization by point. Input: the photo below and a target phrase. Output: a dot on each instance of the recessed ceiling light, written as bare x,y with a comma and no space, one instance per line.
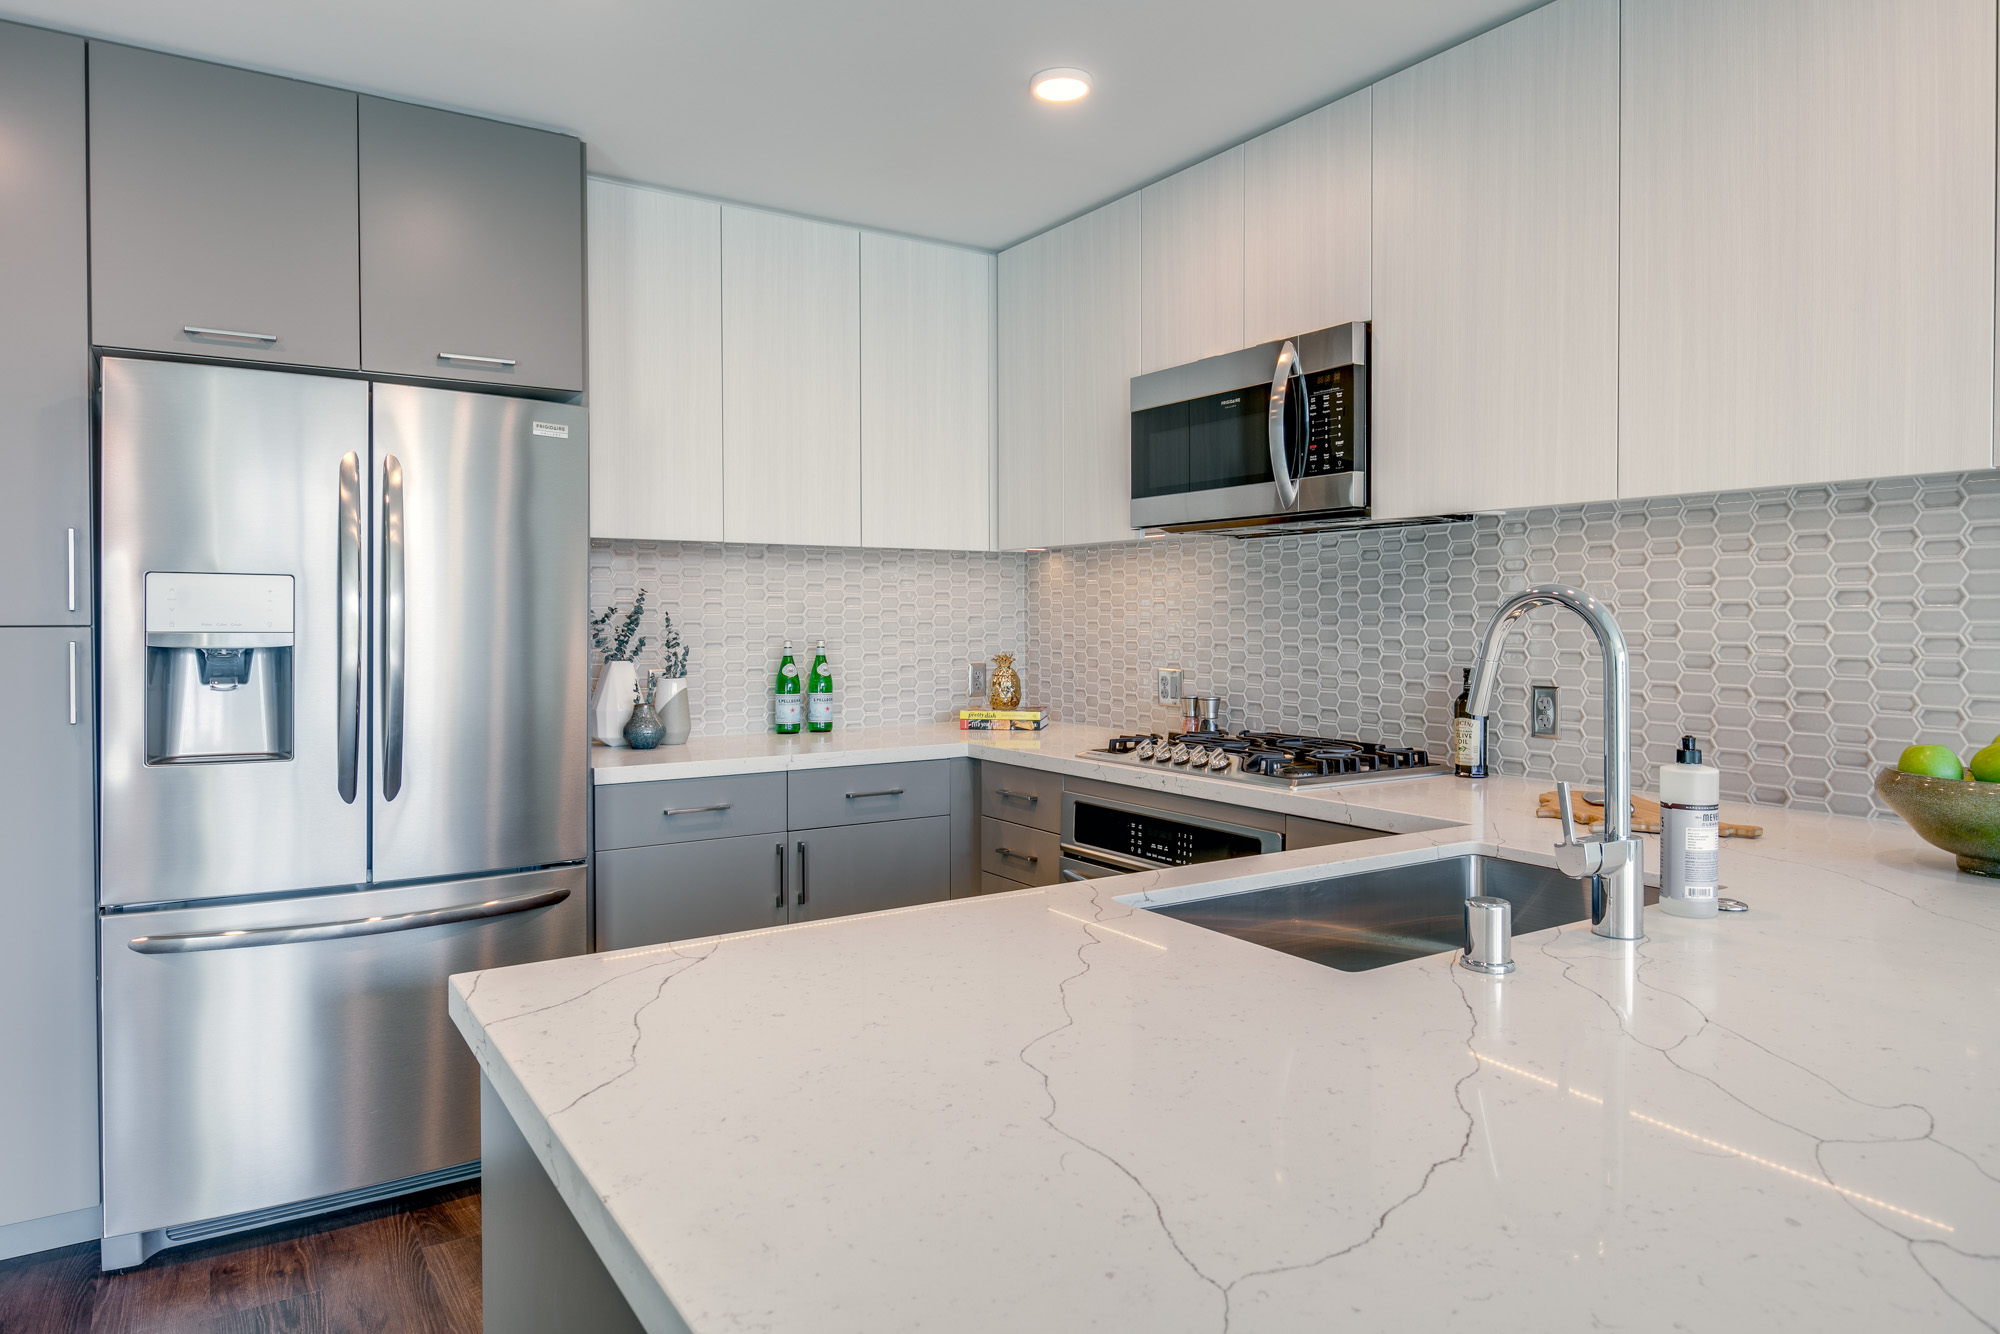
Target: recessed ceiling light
1060,85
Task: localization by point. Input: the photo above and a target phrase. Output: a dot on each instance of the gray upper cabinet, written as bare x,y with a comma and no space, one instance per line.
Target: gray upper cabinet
222,212
48,952
45,337
471,249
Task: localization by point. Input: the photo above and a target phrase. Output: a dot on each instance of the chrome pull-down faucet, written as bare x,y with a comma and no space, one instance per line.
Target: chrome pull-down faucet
1615,863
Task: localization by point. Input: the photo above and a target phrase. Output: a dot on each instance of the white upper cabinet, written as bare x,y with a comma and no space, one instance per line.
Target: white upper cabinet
1496,269
926,395
791,375
1305,223
655,365
1808,241
1069,347
1192,301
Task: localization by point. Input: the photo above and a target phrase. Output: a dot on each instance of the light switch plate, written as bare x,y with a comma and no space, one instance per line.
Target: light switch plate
1542,711
1167,685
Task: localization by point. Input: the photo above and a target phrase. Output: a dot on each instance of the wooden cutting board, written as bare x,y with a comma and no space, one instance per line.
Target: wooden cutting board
1645,815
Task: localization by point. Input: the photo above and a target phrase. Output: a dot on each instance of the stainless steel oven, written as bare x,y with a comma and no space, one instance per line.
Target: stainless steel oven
1276,434
1102,836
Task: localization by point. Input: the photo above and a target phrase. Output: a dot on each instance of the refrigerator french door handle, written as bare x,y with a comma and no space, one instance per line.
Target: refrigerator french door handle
347,710
392,627
195,941
1281,462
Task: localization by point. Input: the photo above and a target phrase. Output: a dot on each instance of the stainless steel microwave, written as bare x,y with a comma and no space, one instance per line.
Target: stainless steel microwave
1276,434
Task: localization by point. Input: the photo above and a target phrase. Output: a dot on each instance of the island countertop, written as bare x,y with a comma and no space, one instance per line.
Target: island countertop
1053,1110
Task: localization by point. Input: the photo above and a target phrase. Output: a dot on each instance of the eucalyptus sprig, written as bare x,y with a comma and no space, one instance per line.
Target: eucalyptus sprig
672,651
618,645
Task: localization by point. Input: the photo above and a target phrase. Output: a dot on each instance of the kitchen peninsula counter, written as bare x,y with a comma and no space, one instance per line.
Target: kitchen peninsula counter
1053,1110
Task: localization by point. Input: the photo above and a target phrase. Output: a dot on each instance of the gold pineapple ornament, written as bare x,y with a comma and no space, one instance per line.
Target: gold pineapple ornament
1005,691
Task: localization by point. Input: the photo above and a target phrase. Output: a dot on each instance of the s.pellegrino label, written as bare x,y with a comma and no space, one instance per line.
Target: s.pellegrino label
788,703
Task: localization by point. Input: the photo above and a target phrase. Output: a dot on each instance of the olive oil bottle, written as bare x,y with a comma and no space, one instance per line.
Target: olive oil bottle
1468,734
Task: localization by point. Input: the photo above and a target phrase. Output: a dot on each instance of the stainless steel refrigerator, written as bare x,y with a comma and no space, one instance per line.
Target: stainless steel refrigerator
343,754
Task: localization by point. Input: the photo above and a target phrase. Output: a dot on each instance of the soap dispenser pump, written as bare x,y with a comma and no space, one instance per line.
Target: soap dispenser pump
1690,833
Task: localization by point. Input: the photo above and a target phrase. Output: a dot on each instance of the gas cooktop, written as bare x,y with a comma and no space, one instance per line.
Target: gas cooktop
1270,759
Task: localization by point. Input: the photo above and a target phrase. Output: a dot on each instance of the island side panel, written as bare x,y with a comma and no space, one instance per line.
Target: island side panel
538,1272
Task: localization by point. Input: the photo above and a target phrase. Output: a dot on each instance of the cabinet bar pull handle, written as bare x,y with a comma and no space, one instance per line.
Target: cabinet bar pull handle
885,792
72,569
696,810
393,610
804,892
347,712
1074,875
467,356
781,877
1014,856
1028,797
72,683
196,331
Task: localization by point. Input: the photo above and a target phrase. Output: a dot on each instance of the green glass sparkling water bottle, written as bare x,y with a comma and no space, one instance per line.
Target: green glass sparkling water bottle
789,704
819,693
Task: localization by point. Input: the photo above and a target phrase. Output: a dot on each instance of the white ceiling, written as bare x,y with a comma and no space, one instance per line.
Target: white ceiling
908,116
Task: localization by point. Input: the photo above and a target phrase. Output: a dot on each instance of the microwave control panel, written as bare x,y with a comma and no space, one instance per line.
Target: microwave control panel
1331,407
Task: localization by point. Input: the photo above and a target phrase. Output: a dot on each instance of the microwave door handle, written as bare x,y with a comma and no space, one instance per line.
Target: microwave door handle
1281,454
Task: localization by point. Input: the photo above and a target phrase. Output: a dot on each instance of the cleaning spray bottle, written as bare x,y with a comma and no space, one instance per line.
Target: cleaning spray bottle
1690,833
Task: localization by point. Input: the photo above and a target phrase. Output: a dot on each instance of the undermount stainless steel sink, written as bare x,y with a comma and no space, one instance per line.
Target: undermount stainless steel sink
1362,921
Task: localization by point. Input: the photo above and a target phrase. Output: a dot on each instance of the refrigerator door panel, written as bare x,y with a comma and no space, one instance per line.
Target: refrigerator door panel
314,1059
480,740
225,729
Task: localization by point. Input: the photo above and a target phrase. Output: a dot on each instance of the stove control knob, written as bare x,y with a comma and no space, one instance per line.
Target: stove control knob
1198,757
1181,754
1144,751
1219,762
1164,755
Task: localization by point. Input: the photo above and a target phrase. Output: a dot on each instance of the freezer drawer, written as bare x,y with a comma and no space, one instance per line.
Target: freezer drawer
247,1071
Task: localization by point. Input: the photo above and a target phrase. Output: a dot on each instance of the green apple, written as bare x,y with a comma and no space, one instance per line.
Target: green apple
1985,765
1931,761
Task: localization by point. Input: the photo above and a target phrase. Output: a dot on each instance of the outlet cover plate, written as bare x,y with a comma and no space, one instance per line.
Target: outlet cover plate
1167,685
975,678
1542,711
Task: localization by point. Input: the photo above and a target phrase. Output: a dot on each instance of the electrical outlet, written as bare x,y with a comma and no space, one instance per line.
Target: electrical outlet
1542,711
975,678
1167,685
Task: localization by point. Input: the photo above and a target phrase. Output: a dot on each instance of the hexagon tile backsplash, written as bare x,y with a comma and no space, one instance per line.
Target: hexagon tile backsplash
900,626
1805,636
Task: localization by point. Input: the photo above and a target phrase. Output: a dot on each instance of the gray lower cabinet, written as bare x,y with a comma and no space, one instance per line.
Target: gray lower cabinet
679,891
857,868
471,248
222,211
48,951
45,335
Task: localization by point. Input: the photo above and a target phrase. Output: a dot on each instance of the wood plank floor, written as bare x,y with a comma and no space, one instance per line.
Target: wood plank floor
409,1266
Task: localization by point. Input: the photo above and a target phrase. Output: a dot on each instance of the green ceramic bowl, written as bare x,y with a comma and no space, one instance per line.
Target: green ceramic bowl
1955,814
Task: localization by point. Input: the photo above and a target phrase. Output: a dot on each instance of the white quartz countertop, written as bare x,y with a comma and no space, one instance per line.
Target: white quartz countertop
1053,1110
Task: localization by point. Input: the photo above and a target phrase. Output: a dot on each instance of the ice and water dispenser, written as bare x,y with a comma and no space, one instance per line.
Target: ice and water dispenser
218,668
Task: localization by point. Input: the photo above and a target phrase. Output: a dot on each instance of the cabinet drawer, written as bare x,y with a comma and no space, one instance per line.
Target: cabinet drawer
990,883
677,810
1031,856
1024,796
683,891
821,797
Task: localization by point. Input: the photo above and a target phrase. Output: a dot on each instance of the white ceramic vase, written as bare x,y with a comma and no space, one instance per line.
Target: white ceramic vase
611,706
670,697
